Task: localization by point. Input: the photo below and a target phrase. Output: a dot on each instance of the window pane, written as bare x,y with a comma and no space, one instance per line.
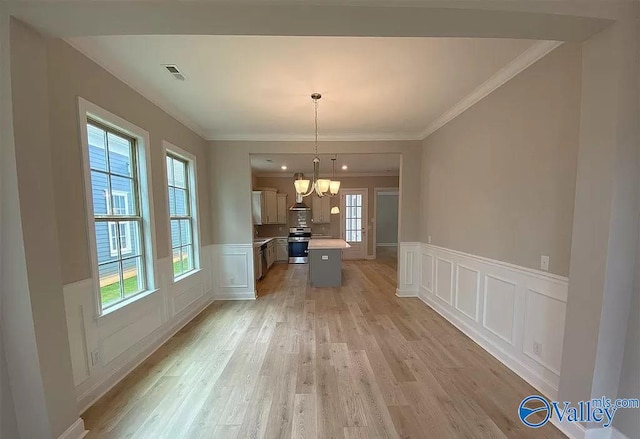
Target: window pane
187,258
170,171
132,273
177,262
185,232
175,233
97,150
130,242
119,155
181,202
122,199
172,201
99,192
179,174
109,284
106,241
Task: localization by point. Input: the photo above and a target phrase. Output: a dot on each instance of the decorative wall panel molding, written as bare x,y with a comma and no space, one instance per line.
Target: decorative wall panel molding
515,313
408,268
233,265
105,349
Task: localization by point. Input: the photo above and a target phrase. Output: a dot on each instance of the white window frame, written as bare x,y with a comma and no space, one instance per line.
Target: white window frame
194,205
127,236
89,110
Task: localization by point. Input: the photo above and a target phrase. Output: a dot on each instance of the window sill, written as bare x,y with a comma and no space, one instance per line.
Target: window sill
115,308
186,275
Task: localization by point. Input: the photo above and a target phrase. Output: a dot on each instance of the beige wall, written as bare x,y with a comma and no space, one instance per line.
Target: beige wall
71,75
286,185
231,181
499,180
40,372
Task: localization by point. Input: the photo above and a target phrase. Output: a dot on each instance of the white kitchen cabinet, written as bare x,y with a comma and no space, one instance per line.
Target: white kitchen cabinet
264,206
281,209
271,254
321,210
282,250
271,208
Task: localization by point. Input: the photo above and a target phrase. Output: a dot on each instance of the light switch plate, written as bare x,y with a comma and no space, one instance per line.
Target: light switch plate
544,263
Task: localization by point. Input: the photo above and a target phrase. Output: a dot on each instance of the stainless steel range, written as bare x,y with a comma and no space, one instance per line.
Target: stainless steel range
299,245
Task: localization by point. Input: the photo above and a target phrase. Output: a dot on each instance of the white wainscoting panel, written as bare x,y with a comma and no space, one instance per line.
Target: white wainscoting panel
105,349
233,265
426,272
468,291
499,307
408,269
444,280
515,313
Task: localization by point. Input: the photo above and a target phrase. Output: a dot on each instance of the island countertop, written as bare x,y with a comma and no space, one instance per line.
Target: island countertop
316,244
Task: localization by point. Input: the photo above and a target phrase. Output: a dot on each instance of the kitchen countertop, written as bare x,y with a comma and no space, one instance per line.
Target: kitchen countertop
258,242
317,244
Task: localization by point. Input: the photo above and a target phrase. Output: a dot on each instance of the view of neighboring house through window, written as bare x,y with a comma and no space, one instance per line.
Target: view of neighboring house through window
181,214
116,211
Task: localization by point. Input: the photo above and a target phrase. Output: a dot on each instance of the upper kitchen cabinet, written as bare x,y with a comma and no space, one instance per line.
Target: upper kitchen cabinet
321,209
268,207
282,209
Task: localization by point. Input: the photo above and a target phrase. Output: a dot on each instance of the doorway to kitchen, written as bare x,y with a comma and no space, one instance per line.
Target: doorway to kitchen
353,228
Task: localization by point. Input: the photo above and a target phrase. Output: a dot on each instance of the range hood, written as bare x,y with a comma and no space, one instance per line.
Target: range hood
299,205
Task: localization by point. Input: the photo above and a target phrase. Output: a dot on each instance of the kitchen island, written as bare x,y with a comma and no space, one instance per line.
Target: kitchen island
325,262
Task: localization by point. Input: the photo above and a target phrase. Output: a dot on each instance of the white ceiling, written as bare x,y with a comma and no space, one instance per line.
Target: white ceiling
258,87
357,164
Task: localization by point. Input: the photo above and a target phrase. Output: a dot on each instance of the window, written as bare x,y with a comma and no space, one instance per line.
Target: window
119,226
181,213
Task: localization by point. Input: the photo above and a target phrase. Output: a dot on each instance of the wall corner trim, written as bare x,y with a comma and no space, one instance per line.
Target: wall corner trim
75,431
521,62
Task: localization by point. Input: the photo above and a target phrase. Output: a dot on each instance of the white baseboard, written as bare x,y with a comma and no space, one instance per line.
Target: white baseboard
369,257
573,430
406,293
100,388
617,434
241,295
75,431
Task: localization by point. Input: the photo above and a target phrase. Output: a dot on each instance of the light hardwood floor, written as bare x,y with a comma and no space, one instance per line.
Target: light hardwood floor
302,362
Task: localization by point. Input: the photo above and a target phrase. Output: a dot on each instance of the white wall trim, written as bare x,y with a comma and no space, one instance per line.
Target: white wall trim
75,431
234,268
100,388
488,303
520,63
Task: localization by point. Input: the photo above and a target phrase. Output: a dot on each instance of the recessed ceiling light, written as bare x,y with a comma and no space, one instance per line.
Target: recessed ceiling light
345,167
283,167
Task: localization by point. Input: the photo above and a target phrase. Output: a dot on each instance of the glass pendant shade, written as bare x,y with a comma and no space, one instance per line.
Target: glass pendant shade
335,210
322,186
302,186
334,187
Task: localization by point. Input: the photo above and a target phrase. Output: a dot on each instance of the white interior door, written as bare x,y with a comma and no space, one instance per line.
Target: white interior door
353,214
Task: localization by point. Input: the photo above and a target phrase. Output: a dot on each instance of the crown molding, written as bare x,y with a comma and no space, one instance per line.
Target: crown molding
289,174
521,62
348,137
174,113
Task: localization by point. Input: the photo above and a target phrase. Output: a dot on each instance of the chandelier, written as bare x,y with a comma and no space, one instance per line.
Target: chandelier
320,186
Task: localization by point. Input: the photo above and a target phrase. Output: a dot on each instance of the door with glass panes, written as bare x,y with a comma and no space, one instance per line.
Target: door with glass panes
353,215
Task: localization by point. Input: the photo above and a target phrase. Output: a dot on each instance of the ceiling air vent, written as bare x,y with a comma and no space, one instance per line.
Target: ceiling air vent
175,71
